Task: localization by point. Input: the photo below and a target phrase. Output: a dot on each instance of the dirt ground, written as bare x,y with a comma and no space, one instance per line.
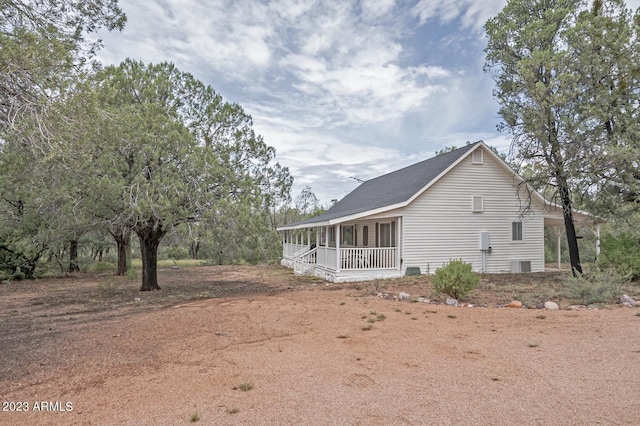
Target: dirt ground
255,345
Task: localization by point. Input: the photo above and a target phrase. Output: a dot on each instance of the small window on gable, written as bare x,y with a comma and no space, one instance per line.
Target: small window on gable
477,204
516,231
476,157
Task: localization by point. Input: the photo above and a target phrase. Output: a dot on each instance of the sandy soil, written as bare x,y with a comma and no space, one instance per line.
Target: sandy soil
259,346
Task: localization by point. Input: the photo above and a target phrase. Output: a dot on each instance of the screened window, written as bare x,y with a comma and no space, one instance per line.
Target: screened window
387,234
516,231
348,236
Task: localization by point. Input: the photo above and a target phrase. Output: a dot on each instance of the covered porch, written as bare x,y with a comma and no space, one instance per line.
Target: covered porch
346,251
582,221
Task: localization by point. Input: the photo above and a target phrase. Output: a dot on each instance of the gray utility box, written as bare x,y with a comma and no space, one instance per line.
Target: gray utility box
484,241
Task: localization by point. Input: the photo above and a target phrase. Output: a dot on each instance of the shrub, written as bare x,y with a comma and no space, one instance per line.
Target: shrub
597,286
455,279
621,253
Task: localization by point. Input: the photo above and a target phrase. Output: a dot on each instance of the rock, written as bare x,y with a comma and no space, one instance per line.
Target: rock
451,302
551,306
514,304
628,301
403,296
577,307
593,306
421,300
388,296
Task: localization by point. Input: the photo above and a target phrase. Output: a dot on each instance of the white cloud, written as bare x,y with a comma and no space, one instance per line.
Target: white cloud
336,87
472,13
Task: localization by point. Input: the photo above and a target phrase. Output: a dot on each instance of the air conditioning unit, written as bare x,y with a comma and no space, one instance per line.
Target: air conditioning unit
518,266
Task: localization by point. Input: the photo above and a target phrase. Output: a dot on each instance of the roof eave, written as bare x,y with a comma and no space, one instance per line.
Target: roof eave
343,219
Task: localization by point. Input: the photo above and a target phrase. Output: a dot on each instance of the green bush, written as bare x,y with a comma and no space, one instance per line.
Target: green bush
622,254
597,286
455,279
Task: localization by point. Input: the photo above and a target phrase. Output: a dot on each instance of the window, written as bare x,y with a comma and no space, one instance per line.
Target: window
332,236
477,204
516,231
323,236
365,235
387,234
476,157
348,236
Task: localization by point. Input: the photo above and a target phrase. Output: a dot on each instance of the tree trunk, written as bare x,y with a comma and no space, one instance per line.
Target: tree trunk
570,229
195,247
73,256
122,241
150,237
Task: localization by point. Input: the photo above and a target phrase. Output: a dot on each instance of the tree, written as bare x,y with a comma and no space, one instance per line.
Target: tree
42,45
567,76
169,151
307,202
604,45
535,90
42,51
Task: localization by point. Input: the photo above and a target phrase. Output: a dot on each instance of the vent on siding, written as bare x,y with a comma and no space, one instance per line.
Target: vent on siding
518,266
477,204
476,157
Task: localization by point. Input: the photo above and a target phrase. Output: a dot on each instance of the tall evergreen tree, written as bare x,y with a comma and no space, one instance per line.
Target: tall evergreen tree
168,150
561,85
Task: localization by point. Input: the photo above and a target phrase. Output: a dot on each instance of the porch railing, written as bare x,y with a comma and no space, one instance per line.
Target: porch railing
290,250
327,257
305,263
350,258
368,258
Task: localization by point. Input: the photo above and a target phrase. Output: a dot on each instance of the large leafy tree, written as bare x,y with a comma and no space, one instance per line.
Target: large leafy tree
43,48
168,150
605,46
43,43
538,52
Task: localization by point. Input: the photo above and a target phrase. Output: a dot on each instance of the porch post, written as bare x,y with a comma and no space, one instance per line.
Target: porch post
338,248
559,246
309,237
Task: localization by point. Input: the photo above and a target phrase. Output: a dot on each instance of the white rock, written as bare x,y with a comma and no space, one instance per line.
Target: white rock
551,306
403,296
451,302
628,301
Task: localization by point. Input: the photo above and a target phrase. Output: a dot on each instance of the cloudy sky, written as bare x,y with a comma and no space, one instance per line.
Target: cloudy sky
343,89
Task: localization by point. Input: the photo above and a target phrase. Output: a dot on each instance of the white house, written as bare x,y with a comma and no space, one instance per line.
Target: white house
465,204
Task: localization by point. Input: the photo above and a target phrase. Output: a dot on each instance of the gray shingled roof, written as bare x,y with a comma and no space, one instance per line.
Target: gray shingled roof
390,189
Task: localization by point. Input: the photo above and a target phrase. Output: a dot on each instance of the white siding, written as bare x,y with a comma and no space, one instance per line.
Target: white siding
440,225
